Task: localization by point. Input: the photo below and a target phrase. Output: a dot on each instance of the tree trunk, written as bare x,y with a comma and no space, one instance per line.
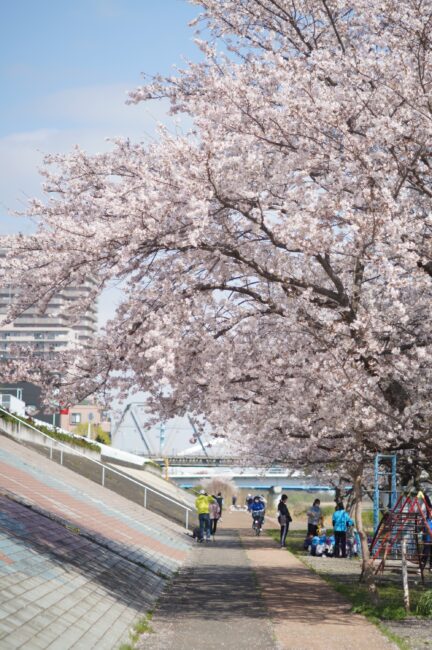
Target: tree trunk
367,566
405,576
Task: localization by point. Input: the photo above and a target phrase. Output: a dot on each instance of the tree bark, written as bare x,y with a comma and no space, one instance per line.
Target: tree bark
405,576
367,565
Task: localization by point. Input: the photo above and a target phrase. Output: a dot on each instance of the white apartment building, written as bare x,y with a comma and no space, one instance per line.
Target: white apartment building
51,332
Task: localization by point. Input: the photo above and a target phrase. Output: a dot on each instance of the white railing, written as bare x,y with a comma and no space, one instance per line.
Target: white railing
104,468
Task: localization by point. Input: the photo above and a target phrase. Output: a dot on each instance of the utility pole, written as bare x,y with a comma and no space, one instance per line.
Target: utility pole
197,435
90,418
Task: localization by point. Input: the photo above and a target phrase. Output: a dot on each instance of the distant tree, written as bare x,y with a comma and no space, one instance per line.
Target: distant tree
96,432
216,484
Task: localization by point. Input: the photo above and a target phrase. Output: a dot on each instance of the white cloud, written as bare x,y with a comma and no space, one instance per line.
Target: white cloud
85,116
40,135
103,105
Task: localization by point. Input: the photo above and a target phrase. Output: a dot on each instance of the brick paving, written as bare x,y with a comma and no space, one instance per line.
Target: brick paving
101,514
78,563
60,590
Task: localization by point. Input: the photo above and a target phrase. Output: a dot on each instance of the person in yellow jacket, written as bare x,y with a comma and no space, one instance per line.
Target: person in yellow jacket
202,504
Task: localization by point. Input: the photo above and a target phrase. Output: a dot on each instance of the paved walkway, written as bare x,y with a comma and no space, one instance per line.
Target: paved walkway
306,613
243,592
213,603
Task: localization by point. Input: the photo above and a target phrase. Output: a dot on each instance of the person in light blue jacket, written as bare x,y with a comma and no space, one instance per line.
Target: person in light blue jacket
341,521
427,544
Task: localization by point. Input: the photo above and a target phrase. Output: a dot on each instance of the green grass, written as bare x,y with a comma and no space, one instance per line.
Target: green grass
299,503
142,626
327,512
294,540
368,520
424,604
399,641
390,606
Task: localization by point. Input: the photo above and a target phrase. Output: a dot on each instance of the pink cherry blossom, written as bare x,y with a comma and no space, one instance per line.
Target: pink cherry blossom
276,260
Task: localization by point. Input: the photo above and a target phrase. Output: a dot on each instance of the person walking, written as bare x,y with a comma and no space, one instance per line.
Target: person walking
219,499
234,501
202,504
341,522
214,513
284,519
314,517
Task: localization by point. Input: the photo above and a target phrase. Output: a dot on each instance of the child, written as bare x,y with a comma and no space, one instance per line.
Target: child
214,512
308,542
329,550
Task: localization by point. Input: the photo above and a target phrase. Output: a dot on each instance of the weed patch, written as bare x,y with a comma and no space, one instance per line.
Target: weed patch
424,604
142,626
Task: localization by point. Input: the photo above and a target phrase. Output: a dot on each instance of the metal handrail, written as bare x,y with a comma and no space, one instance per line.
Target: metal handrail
104,467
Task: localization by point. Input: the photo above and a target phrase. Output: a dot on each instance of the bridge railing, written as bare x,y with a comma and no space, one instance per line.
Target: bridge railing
109,477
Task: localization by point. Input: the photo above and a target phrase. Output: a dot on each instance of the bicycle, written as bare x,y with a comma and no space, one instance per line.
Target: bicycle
257,524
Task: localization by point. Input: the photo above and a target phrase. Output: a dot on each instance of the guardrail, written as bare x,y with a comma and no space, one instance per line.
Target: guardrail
16,431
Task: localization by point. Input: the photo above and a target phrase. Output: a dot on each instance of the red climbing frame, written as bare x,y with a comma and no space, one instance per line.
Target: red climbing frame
408,520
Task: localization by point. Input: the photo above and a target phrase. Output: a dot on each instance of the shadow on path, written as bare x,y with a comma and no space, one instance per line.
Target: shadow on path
213,603
221,585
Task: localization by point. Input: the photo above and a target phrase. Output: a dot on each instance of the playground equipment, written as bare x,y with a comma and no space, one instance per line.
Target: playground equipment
385,491
405,523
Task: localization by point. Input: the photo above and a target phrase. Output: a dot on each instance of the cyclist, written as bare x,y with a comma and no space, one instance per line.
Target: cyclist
257,510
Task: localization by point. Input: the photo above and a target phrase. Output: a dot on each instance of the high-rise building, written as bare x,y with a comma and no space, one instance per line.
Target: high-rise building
44,336
48,333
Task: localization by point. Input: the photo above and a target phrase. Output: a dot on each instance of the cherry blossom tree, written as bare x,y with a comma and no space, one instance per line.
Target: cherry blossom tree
276,260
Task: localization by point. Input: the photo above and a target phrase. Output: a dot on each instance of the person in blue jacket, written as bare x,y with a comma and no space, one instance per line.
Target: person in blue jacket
257,509
341,522
427,544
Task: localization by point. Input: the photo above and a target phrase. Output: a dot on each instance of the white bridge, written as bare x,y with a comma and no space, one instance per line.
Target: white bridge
205,459
187,476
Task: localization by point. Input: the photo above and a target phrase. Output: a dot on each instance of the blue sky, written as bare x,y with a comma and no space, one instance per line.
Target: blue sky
65,68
